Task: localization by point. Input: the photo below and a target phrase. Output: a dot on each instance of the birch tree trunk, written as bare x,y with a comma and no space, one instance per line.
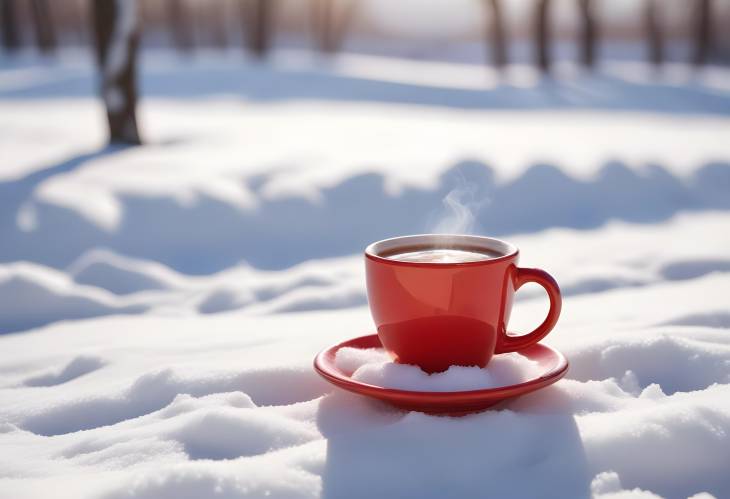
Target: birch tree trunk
9,19
116,37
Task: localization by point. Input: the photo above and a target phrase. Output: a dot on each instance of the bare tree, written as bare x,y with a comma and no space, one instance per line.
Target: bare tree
702,31
180,24
116,37
257,16
542,35
654,32
588,33
330,24
11,35
43,24
495,33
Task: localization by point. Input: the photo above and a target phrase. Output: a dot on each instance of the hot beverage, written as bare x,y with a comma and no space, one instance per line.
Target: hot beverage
443,255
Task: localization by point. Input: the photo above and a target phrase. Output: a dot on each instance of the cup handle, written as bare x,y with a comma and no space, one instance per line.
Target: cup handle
507,343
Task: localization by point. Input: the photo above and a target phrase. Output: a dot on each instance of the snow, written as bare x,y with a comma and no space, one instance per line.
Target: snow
374,367
160,306
607,485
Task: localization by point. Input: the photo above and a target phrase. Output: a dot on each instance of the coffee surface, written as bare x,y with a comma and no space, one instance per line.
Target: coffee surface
437,255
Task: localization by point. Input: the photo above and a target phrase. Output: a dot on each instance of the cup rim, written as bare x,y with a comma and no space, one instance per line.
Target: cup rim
510,250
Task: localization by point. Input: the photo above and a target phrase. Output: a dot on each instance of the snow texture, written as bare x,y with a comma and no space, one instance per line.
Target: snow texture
375,367
160,306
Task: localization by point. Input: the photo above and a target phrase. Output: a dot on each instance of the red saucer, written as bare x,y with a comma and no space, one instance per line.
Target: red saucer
553,364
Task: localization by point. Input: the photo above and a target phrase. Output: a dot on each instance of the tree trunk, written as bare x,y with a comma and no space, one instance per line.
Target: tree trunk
654,32
217,24
11,35
180,25
495,34
257,23
542,35
330,24
342,24
588,35
702,32
116,37
44,33
321,11
71,21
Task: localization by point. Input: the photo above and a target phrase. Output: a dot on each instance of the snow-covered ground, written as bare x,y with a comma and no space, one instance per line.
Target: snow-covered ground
160,306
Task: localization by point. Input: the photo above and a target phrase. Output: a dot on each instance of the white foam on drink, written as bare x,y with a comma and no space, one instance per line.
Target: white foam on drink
374,366
440,256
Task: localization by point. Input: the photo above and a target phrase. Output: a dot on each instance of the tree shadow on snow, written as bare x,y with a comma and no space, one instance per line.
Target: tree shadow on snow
267,83
27,303
374,450
209,235
14,193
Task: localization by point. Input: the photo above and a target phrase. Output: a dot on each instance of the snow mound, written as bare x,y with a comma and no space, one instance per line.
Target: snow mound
557,199
375,367
154,390
607,485
584,262
171,422
350,359
121,275
675,361
234,482
34,295
79,366
232,433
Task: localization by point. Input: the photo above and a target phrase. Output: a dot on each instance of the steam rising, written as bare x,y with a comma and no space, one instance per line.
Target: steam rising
458,217
459,208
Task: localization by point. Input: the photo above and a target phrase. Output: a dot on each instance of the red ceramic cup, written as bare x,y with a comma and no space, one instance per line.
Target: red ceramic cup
436,315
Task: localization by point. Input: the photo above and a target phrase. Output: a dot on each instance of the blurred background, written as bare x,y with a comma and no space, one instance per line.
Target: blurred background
465,30
185,156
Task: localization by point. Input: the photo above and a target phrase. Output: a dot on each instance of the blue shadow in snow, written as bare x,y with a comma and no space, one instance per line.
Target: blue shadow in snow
211,235
261,82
